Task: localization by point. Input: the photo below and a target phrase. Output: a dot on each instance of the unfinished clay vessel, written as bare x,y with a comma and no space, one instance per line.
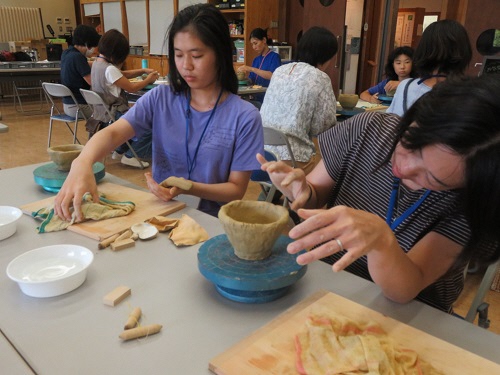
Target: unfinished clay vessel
253,227
63,155
348,101
240,75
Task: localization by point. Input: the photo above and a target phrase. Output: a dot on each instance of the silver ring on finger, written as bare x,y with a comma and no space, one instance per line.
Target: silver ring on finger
341,247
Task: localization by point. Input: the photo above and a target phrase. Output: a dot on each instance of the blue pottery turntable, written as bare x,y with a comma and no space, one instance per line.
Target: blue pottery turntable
51,179
249,281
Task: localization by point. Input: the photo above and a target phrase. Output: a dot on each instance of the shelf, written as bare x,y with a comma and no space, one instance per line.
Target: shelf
237,36
240,10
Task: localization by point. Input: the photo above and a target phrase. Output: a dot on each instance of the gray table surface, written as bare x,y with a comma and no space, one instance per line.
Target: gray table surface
77,334
10,361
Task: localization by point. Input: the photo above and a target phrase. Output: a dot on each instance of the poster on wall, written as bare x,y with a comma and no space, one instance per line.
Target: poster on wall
408,30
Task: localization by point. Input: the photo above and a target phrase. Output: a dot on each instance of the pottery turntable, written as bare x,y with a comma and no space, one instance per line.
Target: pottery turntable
250,263
52,176
51,179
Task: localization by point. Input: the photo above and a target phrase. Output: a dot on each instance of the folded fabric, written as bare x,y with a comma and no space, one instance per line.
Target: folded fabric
104,209
188,232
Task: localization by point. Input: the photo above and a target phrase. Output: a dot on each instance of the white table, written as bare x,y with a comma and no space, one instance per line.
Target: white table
250,90
77,334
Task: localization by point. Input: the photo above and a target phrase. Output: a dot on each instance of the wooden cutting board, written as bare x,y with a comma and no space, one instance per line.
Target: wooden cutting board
271,349
147,205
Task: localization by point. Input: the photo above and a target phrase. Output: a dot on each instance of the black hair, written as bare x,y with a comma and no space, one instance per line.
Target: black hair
316,46
445,47
85,35
210,26
114,46
463,114
390,73
260,34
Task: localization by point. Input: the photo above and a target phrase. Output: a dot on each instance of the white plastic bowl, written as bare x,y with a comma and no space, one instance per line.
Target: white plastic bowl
51,270
8,221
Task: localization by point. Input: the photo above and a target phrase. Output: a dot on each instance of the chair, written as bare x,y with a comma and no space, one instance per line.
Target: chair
478,305
262,178
272,137
57,90
94,99
17,94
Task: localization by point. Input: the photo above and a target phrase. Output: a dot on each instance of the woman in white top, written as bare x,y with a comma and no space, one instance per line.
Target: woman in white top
111,83
300,101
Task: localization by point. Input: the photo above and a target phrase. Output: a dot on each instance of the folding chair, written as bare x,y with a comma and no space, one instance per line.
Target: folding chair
478,305
262,178
94,99
18,93
56,90
272,137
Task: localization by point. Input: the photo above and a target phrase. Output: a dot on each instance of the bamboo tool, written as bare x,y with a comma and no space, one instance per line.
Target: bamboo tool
133,318
105,243
137,332
117,295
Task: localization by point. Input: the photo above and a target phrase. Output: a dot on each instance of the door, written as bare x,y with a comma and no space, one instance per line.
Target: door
331,15
370,45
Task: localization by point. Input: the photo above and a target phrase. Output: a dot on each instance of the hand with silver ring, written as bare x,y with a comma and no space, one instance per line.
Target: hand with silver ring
341,247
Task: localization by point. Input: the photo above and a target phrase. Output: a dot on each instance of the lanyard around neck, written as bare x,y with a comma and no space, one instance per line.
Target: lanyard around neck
192,162
262,62
392,203
104,58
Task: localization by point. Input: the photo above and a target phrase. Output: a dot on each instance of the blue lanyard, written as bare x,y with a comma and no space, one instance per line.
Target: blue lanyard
394,196
192,162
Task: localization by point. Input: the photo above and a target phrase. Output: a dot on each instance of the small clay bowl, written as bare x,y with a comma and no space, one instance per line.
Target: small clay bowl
63,155
252,227
348,101
240,75
391,92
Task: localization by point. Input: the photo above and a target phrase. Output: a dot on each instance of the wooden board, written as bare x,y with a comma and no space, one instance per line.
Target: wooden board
271,350
147,205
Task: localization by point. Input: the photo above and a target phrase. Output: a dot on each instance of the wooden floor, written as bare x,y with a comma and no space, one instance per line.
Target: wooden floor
26,143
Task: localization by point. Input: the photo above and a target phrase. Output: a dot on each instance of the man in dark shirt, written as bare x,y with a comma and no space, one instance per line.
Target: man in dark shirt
75,69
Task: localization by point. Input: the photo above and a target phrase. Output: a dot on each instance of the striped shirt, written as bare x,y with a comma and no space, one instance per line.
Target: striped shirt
353,152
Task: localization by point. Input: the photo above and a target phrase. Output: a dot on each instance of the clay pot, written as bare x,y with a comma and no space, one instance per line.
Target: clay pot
63,155
348,101
391,92
253,227
240,75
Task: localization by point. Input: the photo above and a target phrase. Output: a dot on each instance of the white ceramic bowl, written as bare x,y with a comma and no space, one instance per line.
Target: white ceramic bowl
8,220
51,270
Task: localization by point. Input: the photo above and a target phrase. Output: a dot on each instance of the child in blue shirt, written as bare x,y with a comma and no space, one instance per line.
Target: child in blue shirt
399,67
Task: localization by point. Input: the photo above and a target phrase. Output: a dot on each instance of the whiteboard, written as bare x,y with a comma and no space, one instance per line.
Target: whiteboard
185,3
161,13
112,16
137,22
91,9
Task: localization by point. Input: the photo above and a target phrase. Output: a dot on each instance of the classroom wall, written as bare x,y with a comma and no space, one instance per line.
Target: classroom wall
51,10
429,5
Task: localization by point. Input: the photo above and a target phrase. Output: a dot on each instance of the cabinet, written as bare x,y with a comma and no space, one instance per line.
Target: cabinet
255,13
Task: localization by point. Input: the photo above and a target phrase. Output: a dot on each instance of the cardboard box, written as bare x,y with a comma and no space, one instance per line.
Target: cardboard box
18,46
